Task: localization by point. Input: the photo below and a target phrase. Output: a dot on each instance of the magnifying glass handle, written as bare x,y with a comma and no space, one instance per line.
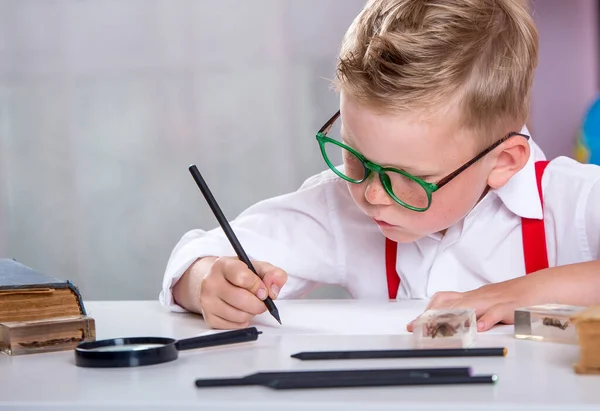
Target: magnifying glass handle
227,337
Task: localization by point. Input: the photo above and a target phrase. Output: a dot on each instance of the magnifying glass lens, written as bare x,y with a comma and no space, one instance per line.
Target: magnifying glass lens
125,347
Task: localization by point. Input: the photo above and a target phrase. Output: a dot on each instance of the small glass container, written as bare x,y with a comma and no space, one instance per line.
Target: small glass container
455,328
48,335
547,322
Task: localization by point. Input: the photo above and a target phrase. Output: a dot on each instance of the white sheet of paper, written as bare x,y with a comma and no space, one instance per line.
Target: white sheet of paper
347,317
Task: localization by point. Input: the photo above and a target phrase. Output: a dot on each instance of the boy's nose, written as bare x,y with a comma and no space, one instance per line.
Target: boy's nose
375,193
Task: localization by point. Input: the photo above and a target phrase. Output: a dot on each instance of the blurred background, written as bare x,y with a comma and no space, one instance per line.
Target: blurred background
105,103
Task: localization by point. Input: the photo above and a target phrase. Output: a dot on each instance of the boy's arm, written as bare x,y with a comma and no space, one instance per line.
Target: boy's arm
572,284
293,232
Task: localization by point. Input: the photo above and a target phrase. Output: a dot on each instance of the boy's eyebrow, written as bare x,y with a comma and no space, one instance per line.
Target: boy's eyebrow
347,139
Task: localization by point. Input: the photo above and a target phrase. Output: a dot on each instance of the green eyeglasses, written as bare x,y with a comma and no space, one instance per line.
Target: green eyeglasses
406,189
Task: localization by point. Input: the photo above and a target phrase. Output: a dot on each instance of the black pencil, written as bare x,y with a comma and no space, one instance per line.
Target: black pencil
261,378
214,206
409,353
383,381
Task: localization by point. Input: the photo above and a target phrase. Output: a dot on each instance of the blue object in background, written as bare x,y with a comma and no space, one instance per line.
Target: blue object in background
587,146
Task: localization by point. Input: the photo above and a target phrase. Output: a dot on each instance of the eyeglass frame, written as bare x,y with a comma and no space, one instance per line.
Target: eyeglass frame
370,166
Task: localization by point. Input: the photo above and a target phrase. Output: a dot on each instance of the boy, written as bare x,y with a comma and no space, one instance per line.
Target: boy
438,193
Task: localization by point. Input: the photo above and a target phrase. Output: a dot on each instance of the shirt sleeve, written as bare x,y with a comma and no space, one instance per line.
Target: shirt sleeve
592,221
293,231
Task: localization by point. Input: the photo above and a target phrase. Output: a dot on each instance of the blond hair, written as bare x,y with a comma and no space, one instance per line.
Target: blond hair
429,54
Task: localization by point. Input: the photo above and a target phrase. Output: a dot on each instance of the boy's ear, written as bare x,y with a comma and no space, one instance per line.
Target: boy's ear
512,157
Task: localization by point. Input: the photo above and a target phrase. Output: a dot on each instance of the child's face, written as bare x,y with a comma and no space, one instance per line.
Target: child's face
428,149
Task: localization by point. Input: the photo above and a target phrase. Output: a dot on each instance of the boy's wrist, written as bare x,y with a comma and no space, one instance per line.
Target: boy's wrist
186,291
542,286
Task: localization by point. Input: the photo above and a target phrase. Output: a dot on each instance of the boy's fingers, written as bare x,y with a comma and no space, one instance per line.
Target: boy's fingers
243,300
442,300
238,274
410,326
493,316
267,281
439,301
272,277
231,313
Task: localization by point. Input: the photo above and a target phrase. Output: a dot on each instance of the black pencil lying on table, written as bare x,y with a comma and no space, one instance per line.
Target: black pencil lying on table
408,353
261,377
384,381
353,378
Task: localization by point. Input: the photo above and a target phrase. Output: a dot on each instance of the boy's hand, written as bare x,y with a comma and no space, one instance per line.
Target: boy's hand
228,294
493,303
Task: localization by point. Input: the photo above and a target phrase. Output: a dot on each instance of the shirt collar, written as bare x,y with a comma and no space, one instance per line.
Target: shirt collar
520,194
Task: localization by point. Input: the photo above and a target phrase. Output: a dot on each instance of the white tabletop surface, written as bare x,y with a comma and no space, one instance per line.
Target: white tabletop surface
534,375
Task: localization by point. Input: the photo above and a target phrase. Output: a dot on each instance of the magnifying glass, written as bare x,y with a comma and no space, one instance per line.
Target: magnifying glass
137,351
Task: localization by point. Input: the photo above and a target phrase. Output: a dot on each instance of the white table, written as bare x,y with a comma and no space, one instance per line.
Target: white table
534,375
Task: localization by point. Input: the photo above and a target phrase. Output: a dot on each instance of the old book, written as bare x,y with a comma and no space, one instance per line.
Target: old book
38,312
27,294
587,323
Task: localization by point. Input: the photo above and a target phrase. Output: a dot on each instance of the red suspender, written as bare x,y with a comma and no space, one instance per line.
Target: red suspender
393,279
534,233
534,243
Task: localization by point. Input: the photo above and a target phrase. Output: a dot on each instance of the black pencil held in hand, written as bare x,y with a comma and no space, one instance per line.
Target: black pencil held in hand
214,206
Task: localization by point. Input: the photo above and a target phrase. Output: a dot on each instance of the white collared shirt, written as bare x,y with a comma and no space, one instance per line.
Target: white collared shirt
319,236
